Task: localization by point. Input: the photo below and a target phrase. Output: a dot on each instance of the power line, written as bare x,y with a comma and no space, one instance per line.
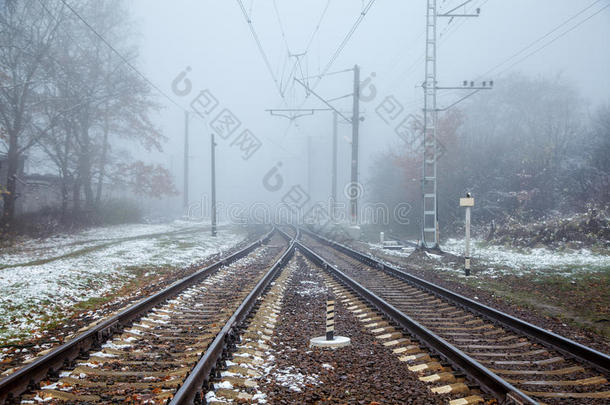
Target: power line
297,62
345,40
448,31
401,56
251,11
331,73
555,39
132,67
279,21
312,36
286,58
532,44
317,28
140,73
442,38
546,35
260,48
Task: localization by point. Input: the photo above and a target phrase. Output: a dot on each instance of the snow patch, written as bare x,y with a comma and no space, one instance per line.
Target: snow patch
41,278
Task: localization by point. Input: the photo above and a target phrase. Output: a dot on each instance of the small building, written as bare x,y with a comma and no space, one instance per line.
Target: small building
4,174
34,191
39,191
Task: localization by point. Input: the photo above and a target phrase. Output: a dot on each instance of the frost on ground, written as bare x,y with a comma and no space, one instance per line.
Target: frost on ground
311,288
404,252
567,285
41,280
501,260
292,379
523,261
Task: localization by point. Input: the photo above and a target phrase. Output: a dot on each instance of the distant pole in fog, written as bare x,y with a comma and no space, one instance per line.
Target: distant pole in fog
355,123
213,214
309,164
185,193
333,208
355,128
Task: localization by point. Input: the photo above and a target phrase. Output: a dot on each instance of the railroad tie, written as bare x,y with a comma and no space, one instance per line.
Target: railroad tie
248,363
441,379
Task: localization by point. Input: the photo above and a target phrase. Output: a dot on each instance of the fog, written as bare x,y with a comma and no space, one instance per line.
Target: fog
164,163
214,40
245,58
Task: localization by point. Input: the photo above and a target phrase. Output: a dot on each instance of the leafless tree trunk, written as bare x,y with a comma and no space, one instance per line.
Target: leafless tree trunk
27,34
102,173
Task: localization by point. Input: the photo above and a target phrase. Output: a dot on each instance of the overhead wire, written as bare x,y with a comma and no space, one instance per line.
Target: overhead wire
261,50
546,35
313,35
317,27
143,76
131,66
345,40
306,52
251,10
331,73
339,49
542,38
286,58
279,22
419,59
451,29
555,39
447,31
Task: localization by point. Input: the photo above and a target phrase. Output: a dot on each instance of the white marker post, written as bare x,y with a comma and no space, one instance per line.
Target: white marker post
330,340
467,202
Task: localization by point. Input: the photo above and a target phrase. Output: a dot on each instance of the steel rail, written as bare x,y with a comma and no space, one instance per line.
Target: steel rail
489,381
28,376
597,359
190,391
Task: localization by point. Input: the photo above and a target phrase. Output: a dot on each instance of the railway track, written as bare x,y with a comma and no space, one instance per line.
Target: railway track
512,359
162,348
173,346
273,362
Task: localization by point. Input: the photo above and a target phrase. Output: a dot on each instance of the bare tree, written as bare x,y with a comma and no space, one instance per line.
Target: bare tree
108,97
115,99
27,34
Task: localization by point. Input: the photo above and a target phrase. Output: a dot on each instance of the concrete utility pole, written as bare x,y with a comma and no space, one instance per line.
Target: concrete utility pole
185,193
429,234
355,128
333,191
354,121
309,157
295,113
213,214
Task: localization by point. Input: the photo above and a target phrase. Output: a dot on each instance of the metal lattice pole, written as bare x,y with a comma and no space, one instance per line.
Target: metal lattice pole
429,237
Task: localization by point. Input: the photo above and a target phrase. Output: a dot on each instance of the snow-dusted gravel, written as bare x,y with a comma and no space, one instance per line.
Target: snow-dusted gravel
501,260
532,260
40,279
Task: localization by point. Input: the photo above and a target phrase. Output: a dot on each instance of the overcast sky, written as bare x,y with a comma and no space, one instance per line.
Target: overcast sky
213,39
